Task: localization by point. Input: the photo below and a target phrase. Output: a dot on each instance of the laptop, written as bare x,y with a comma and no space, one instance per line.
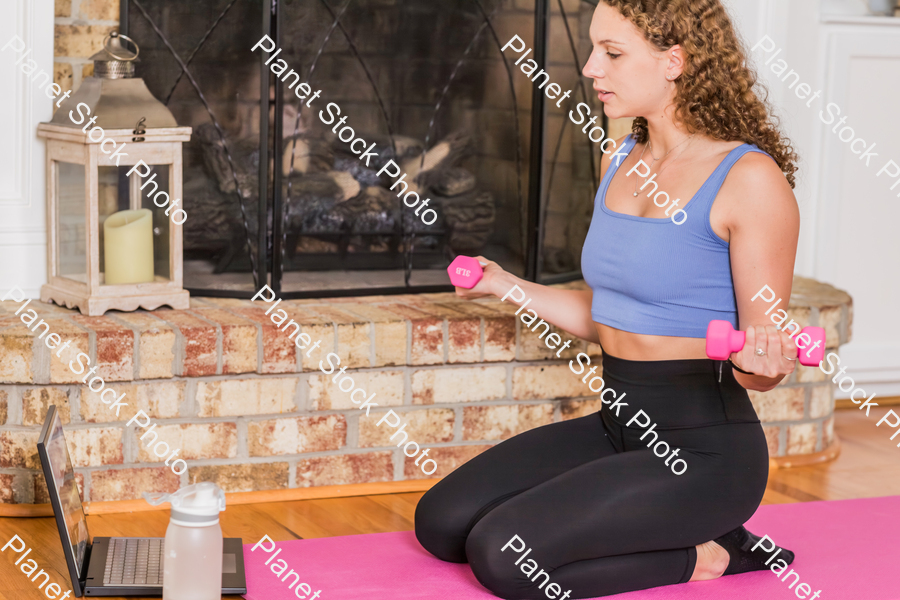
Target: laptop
108,566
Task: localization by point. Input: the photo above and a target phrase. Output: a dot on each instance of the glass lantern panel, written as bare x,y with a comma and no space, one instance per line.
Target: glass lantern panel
71,238
143,242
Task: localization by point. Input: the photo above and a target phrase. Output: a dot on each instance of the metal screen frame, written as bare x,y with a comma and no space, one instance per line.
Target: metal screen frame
270,267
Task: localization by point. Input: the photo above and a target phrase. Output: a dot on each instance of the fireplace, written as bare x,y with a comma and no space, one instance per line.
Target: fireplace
274,196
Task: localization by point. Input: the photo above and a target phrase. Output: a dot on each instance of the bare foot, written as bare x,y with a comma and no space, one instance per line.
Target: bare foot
712,560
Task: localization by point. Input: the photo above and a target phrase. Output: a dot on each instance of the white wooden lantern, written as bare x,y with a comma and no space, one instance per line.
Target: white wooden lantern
88,181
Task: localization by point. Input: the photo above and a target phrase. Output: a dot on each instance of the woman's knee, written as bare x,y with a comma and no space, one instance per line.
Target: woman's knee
438,529
494,565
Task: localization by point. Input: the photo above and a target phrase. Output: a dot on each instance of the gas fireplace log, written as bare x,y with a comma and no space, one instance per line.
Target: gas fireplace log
350,187
448,182
312,199
374,210
444,154
350,163
244,154
310,154
470,218
407,147
333,193
221,222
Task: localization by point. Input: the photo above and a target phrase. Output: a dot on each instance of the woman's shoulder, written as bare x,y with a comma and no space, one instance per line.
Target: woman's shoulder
755,183
749,167
756,168
755,203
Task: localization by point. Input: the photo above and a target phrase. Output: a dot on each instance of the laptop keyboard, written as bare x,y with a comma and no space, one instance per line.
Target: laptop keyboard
134,561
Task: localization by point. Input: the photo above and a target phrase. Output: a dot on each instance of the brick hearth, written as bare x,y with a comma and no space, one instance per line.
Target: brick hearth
251,412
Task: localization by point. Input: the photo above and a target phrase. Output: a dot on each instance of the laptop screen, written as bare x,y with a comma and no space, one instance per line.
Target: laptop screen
66,489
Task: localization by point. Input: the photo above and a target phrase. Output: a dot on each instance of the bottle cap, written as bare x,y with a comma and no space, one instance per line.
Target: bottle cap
198,504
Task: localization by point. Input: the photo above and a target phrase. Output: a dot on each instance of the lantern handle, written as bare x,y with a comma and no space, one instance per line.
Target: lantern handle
116,34
139,129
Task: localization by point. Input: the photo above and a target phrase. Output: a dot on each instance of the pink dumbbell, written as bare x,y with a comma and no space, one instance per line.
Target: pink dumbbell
465,272
722,340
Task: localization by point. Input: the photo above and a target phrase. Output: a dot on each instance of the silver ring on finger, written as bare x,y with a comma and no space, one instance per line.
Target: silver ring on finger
760,352
788,358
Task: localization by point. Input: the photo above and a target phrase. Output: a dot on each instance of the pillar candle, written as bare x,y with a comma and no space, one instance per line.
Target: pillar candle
128,247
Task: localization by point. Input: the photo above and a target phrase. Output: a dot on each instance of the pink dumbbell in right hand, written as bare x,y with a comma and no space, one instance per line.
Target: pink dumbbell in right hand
722,340
465,272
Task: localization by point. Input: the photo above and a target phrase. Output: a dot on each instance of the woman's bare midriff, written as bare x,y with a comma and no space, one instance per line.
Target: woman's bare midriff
636,346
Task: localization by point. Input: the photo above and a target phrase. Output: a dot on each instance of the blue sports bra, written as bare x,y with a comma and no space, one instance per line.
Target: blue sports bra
654,277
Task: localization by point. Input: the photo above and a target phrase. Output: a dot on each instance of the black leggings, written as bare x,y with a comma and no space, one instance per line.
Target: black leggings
600,512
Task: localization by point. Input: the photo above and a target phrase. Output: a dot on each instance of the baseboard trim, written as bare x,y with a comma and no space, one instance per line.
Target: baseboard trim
845,403
235,498
804,460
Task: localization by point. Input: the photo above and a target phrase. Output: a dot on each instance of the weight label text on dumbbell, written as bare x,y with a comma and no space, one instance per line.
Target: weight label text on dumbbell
465,272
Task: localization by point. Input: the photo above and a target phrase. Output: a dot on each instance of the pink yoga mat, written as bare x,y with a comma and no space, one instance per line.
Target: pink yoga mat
849,549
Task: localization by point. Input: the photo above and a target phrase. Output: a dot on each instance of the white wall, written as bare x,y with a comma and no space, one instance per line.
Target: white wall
23,106
849,216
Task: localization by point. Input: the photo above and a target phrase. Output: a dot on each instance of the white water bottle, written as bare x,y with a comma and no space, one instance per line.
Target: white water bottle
192,566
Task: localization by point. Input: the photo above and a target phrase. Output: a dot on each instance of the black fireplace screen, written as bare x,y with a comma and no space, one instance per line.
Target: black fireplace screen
275,196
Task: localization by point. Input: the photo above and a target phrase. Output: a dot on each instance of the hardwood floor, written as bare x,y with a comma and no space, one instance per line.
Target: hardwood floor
869,465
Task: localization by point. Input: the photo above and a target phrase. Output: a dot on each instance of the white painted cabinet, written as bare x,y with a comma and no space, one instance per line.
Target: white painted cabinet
850,217
22,182
858,244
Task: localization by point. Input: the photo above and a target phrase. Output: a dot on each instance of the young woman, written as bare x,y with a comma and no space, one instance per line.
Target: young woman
601,513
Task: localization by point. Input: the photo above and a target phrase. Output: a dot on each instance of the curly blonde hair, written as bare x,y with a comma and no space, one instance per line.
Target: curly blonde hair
715,94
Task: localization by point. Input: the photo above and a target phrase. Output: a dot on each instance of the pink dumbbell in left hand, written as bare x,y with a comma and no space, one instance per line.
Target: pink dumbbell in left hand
465,272
722,340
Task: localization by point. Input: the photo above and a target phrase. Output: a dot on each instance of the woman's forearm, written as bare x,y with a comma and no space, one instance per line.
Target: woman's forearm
757,383
570,310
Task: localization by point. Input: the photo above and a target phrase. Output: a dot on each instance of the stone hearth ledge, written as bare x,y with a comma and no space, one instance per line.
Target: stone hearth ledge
251,411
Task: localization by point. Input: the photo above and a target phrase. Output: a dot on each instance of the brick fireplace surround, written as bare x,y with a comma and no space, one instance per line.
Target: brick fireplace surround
252,413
